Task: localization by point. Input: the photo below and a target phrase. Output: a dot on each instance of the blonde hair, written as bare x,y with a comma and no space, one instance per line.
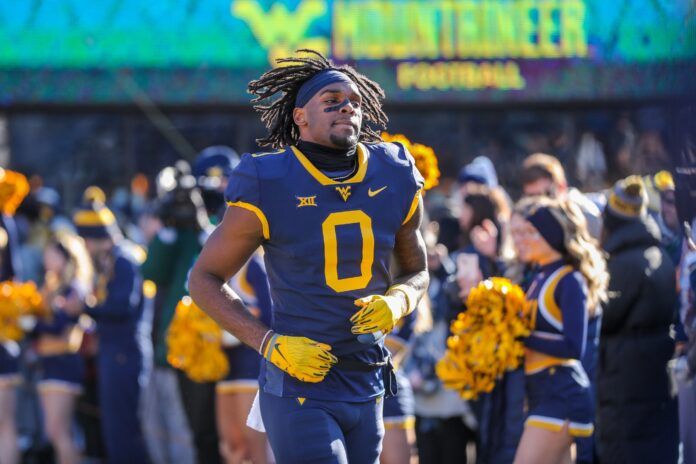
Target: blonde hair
79,270
582,251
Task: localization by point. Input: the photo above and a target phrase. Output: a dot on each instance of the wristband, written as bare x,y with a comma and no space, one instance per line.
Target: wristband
409,292
263,341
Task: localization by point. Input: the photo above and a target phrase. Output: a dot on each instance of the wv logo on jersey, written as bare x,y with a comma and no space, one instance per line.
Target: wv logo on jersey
307,201
344,192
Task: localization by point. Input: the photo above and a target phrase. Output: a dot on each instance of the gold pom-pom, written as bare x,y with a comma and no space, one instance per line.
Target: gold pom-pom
17,301
426,160
13,188
485,340
194,342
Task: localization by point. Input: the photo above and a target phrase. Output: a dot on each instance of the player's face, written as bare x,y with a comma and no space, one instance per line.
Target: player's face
332,117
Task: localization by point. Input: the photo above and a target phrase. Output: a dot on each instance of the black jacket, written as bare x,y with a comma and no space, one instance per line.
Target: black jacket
637,419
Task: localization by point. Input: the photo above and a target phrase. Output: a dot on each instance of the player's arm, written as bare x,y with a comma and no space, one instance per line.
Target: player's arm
380,313
225,252
223,255
411,257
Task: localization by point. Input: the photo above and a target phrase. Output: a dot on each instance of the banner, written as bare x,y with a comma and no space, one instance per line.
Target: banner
204,51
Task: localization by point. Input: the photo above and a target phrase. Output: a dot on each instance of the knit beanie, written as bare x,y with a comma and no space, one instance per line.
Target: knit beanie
628,199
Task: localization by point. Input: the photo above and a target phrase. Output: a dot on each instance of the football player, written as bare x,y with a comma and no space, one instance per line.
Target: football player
329,204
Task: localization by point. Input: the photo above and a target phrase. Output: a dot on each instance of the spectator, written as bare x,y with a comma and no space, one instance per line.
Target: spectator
684,369
480,255
544,175
444,422
171,254
498,413
212,169
667,217
649,155
480,171
38,216
637,417
591,162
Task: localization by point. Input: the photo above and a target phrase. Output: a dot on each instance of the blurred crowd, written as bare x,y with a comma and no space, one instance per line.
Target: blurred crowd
91,381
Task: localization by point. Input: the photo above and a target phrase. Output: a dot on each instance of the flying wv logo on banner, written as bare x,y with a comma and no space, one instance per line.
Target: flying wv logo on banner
281,31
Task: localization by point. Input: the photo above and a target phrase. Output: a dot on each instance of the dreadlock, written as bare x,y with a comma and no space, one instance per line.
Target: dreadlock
277,115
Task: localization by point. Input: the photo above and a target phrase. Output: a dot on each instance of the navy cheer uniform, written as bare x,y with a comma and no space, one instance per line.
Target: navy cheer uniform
251,284
327,243
62,368
558,389
120,360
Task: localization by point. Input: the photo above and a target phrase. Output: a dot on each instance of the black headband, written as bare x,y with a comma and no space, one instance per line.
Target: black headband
548,227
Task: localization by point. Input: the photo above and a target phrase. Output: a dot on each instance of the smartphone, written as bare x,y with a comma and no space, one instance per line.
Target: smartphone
467,266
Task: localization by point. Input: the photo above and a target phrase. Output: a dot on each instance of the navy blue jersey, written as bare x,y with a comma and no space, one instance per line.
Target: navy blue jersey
561,319
326,244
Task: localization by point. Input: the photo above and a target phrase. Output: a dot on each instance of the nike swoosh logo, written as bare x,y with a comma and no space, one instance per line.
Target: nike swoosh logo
371,193
280,353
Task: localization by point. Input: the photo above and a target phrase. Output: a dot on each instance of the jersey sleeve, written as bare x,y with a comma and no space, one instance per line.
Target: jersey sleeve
243,191
415,182
416,176
571,297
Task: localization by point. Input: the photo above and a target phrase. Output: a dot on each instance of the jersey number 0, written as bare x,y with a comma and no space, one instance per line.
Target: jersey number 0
328,228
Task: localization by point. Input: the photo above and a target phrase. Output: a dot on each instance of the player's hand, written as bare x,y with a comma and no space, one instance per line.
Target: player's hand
378,314
300,357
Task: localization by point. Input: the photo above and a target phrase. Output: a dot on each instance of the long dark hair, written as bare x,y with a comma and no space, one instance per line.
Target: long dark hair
287,80
483,208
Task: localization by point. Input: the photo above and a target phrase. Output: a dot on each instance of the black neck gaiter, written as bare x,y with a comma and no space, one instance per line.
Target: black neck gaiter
329,159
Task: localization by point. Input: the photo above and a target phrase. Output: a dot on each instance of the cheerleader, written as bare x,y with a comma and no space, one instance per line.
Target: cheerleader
9,380
570,281
14,187
67,282
235,394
